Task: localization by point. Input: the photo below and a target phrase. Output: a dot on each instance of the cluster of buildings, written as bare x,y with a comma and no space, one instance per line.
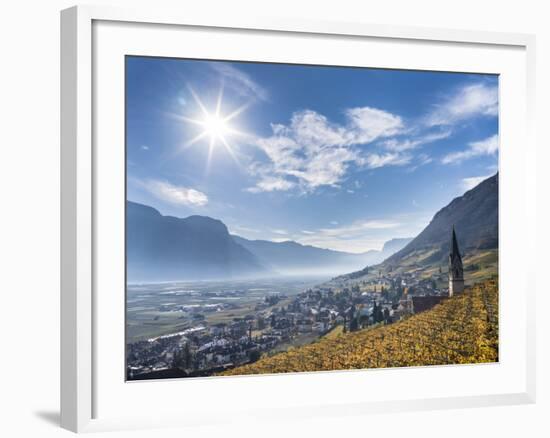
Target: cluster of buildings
280,321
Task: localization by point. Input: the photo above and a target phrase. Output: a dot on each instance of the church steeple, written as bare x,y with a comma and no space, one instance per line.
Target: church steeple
456,271
455,253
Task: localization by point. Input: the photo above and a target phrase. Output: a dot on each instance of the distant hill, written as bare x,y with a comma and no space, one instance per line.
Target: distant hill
166,248
292,257
475,217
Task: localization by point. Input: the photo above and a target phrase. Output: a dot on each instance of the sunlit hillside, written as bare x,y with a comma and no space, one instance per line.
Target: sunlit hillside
463,329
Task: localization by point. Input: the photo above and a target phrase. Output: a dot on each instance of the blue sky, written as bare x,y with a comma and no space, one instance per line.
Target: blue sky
336,157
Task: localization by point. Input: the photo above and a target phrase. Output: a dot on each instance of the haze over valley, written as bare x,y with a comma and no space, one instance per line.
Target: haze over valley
166,248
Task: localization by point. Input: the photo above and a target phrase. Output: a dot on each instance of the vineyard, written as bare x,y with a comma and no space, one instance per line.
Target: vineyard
461,330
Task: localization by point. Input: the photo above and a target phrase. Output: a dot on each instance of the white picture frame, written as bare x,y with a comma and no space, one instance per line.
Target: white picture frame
83,375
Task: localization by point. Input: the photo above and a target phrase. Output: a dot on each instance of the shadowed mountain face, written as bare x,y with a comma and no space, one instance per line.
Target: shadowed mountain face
166,248
291,257
475,217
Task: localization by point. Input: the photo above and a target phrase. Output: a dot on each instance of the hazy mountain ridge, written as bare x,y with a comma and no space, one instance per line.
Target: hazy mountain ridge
292,256
166,248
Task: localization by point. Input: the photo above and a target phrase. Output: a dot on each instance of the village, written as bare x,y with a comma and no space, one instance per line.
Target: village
205,349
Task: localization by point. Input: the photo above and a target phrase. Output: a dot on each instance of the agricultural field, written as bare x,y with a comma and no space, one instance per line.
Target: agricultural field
161,309
461,330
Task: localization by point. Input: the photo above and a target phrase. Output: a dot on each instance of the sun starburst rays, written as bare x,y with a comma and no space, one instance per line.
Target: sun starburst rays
214,127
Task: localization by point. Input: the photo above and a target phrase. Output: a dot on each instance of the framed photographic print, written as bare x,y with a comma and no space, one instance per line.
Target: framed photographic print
259,208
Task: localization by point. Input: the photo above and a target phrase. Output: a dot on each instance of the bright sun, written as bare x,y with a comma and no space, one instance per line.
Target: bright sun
214,127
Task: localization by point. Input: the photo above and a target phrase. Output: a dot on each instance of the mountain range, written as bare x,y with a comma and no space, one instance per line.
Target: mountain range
291,257
166,248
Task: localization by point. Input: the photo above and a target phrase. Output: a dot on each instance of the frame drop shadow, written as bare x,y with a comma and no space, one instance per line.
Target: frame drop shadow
51,417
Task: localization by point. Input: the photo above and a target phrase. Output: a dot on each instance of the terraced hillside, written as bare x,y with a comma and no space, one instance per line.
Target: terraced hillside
462,329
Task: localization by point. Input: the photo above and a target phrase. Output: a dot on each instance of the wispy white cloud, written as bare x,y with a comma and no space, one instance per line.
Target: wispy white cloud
420,160
355,237
144,147
376,160
363,235
173,194
479,99
279,231
270,184
406,144
372,123
488,146
239,81
312,151
470,183
246,229
400,145
360,226
279,239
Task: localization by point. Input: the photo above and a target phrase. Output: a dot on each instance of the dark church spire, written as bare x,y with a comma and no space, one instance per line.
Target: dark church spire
456,271
454,246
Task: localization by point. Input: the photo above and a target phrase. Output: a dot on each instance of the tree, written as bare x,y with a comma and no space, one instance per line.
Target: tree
261,323
183,358
386,316
353,325
254,355
377,314
187,356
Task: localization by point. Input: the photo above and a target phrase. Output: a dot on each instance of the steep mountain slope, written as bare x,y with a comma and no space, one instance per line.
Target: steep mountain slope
290,256
166,248
475,217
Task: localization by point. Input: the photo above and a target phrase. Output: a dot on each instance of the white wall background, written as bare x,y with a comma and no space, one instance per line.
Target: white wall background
29,213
